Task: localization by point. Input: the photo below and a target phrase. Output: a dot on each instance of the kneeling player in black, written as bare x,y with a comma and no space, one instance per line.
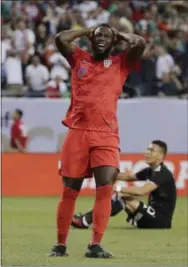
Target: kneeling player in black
160,186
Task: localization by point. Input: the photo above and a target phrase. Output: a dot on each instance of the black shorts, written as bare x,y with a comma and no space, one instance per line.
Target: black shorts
147,217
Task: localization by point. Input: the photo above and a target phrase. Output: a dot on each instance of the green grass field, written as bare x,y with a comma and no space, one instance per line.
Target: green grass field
28,232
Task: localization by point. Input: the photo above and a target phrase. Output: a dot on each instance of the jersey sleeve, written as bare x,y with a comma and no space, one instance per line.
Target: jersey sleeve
76,56
159,177
143,174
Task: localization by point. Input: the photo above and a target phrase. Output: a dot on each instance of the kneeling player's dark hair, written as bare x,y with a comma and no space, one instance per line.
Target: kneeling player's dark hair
162,145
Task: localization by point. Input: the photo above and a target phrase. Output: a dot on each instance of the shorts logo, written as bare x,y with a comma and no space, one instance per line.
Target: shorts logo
107,63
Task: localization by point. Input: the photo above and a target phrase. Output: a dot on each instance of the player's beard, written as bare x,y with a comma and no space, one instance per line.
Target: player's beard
101,56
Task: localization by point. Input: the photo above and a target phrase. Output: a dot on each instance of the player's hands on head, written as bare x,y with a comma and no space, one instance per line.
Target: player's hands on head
90,33
115,33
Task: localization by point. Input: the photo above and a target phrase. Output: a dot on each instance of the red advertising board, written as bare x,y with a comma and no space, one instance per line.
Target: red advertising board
36,174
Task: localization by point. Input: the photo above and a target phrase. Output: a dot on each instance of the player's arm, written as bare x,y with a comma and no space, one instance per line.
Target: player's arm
136,45
130,176
126,176
148,52
64,40
137,191
157,178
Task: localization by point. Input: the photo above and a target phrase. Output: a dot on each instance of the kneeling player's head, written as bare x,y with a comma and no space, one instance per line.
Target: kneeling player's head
102,41
156,152
17,114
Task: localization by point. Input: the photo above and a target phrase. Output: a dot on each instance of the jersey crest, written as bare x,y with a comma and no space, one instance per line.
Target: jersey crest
81,72
107,63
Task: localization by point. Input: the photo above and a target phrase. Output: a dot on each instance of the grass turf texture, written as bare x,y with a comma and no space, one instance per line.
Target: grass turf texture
28,232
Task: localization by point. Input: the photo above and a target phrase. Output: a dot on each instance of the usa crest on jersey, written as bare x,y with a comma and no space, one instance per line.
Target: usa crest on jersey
107,63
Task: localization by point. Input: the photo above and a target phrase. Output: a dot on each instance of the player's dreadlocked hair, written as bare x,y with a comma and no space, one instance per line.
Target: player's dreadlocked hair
162,145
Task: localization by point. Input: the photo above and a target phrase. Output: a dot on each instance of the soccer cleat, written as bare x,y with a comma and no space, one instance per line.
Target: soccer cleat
77,222
58,251
96,251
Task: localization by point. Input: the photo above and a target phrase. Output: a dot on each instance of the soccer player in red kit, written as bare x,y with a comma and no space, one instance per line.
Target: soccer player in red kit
19,133
92,142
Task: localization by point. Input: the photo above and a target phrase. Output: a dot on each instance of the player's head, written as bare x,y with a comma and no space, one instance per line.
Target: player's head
102,41
156,151
17,114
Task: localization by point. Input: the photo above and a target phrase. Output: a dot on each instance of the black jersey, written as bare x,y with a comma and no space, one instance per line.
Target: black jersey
163,199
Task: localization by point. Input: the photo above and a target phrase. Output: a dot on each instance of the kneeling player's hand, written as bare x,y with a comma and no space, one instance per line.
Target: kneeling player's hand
117,188
127,175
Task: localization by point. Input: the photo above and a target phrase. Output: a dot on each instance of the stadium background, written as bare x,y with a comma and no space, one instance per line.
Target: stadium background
146,110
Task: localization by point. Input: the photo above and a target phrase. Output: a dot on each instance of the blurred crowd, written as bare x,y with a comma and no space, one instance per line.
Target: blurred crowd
31,66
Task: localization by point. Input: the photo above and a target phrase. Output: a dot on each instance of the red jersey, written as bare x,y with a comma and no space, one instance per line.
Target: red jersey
96,88
19,132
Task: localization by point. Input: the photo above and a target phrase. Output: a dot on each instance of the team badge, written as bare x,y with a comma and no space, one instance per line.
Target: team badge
107,63
81,72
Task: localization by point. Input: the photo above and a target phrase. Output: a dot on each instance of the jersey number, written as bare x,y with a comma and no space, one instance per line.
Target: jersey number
150,210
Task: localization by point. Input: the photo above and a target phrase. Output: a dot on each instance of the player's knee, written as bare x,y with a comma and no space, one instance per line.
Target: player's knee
105,181
72,183
105,175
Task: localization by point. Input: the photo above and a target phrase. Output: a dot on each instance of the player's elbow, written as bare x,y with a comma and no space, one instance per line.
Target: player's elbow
57,37
140,46
61,42
60,38
60,35
136,51
57,41
141,43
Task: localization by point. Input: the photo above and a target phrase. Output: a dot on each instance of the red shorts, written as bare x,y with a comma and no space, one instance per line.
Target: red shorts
83,150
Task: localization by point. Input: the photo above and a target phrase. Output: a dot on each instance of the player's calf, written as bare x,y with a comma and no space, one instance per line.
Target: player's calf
65,211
